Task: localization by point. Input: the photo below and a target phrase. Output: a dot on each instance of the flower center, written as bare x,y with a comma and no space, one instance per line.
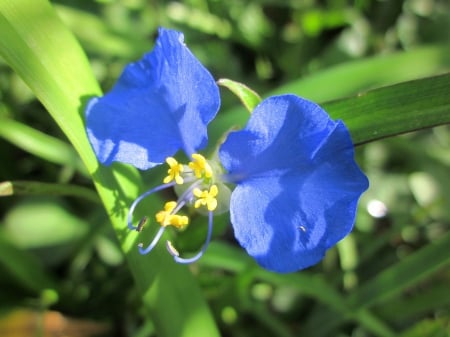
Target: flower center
196,185
202,192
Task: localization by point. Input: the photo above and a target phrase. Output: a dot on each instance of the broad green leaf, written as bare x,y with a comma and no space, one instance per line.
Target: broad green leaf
247,96
37,45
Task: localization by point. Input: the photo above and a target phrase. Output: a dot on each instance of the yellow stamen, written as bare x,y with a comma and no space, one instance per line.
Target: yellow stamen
200,166
174,171
166,218
206,198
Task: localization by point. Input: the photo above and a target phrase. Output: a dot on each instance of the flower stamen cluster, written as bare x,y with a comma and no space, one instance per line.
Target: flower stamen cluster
201,192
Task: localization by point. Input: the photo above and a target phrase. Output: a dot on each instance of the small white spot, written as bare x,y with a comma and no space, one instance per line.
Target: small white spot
377,208
302,228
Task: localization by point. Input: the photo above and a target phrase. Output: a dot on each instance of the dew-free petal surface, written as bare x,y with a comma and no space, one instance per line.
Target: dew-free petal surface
297,183
159,105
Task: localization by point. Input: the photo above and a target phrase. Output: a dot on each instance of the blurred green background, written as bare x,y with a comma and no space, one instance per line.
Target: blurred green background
390,277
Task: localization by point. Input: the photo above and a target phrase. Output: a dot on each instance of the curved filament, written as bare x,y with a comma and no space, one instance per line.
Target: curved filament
172,250
139,199
152,244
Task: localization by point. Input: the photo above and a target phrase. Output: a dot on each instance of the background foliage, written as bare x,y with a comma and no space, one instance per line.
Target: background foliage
60,256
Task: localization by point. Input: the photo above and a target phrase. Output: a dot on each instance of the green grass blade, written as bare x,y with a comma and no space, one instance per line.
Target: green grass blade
379,113
365,74
40,144
417,304
402,275
24,267
37,45
396,109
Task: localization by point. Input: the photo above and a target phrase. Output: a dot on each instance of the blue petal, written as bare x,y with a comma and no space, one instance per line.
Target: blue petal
297,183
160,104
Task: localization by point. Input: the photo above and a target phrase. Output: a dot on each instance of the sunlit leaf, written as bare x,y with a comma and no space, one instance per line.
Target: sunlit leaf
37,45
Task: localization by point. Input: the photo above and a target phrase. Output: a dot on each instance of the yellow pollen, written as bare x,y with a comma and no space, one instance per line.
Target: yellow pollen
200,166
174,171
206,198
166,218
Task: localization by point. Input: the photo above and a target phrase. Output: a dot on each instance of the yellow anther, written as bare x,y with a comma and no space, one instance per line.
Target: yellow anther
166,218
174,171
200,166
206,198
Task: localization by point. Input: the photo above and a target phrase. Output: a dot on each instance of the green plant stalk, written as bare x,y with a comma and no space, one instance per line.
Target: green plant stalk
38,46
16,187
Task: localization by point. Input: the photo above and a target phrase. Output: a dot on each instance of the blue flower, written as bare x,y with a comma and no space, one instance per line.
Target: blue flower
297,183
160,104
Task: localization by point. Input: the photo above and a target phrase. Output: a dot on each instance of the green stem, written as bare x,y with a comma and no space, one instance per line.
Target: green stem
9,188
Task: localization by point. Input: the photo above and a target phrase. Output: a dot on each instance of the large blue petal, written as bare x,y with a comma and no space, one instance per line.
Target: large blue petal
297,183
160,104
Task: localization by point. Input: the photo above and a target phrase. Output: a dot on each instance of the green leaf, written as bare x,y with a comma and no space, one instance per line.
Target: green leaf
45,223
40,144
402,275
364,74
97,37
220,255
380,113
248,97
393,110
24,267
418,303
432,327
39,47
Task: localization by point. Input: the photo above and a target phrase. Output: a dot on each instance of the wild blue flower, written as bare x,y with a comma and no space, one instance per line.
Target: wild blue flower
296,184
